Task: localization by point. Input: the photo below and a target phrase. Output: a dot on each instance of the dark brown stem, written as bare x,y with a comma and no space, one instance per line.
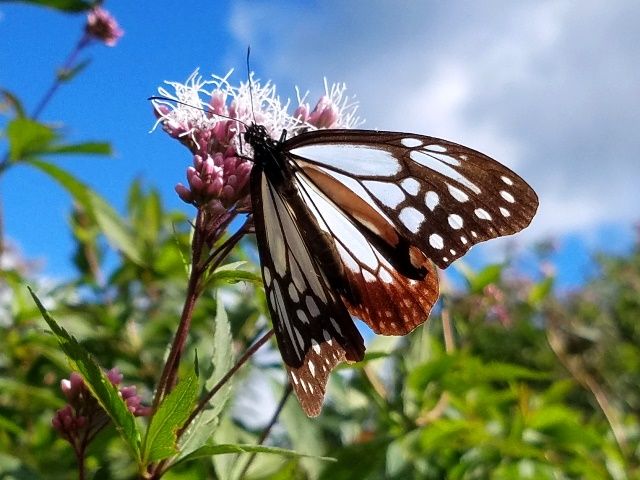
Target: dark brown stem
267,430
169,372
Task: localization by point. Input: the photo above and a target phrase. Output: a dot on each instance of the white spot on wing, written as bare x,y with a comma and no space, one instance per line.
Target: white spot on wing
267,276
389,194
506,180
436,241
312,369
302,316
431,199
507,196
482,214
411,142
293,293
464,240
326,335
385,276
411,218
316,346
312,307
410,185
458,194
368,276
434,147
455,221
335,325
505,213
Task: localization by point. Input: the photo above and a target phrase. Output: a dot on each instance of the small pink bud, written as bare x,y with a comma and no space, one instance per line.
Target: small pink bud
302,113
114,376
184,193
127,392
102,26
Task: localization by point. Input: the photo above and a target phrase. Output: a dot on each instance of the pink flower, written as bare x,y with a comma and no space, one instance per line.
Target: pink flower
102,26
212,130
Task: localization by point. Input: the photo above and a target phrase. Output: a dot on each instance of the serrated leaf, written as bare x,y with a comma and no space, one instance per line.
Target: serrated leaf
110,223
161,439
203,426
27,137
63,5
223,449
102,389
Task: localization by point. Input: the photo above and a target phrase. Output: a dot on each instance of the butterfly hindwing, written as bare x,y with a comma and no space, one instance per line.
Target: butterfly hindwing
440,196
389,302
313,329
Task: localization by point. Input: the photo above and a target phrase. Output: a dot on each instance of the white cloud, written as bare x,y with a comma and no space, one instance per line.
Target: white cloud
548,88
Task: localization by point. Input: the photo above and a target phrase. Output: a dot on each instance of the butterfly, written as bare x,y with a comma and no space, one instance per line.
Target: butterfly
352,223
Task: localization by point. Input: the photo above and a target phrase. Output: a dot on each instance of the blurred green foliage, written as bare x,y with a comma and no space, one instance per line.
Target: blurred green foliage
539,384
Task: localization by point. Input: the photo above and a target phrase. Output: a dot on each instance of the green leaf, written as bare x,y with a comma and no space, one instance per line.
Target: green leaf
69,6
102,389
540,291
110,223
27,137
488,275
231,273
161,439
223,449
204,425
93,148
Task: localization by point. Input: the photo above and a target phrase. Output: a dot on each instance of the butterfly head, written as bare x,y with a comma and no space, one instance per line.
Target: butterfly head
258,137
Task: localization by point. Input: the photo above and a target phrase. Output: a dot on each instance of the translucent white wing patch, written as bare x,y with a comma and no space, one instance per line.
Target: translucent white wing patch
390,303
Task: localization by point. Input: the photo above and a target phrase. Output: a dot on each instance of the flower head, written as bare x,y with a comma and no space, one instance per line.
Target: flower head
101,25
210,116
83,416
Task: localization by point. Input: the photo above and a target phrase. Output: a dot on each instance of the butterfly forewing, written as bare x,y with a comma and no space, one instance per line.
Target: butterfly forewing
313,329
440,196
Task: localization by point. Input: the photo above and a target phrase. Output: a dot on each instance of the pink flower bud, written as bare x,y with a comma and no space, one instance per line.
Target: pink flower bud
184,193
127,392
102,26
114,376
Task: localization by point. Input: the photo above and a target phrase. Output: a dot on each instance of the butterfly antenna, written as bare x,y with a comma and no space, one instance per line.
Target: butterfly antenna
173,100
250,83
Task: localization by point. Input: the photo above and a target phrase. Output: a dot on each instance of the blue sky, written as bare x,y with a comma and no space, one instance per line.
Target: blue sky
550,88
